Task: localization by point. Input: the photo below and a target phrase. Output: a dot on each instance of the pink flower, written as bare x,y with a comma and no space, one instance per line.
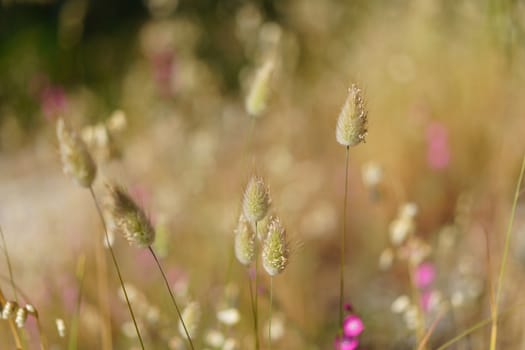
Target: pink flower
438,151
346,344
425,275
352,326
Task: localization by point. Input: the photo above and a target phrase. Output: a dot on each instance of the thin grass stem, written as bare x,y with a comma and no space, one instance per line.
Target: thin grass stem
256,294
430,331
73,334
172,297
9,267
252,303
117,268
479,325
494,328
343,244
270,318
103,294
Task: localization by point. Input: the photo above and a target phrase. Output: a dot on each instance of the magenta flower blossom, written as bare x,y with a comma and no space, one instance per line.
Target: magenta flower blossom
352,326
346,343
438,150
425,275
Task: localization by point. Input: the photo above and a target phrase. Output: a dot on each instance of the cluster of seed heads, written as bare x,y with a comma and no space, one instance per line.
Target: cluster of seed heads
351,127
11,310
130,219
256,222
76,159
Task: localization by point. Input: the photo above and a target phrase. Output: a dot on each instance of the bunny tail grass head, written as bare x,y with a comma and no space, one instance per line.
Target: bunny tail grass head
129,218
351,127
76,160
260,90
244,242
256,200
276,251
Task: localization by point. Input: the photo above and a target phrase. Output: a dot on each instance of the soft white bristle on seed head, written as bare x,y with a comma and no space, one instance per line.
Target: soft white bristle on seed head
351,126
76,159
276,250
21,317
258,95
256,200
244,242
61,327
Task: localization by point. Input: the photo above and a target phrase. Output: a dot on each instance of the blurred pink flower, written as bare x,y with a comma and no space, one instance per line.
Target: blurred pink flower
346,344
438,150
425,274
352,326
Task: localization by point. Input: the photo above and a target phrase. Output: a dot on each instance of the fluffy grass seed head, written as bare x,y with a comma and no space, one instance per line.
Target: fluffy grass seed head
256,200
76,160
9,310
276,249
244,242
262,226
260,90
21,317
191,316
351,127
130,219
61,327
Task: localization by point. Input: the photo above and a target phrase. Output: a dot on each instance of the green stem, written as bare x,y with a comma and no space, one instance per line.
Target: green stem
494,330
73,335
477,326
115,263
172,297
343,244
256,318
252,304
270,319
9,267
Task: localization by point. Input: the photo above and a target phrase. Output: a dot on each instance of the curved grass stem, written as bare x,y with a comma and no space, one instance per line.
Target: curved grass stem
494,328
172,297
117,268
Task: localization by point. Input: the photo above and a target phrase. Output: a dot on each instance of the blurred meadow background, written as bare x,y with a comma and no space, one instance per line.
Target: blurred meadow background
157,91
